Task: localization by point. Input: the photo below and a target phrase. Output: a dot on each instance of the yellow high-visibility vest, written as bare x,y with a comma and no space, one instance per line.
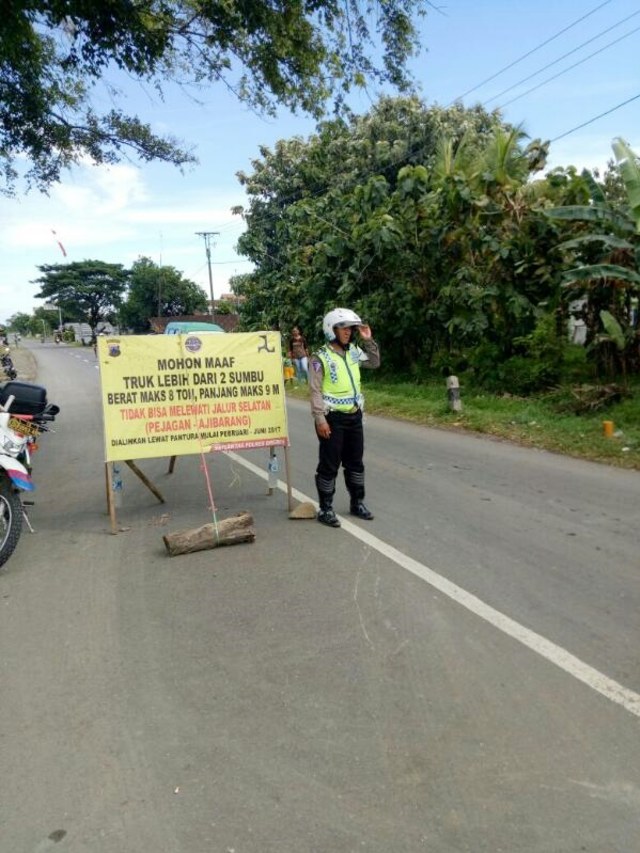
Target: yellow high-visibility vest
341,380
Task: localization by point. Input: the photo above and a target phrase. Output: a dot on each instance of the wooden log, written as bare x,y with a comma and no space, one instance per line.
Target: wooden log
229,531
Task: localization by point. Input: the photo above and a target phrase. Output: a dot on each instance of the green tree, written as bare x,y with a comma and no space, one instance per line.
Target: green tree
43,321
299,53
316,227
224,307
505,278
159,291
87,291
19,323
421,218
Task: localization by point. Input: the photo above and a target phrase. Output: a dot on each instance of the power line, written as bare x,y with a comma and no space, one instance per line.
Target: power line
595,118
412,150
226,225
417,148
570,68
533,50
560,58
402,158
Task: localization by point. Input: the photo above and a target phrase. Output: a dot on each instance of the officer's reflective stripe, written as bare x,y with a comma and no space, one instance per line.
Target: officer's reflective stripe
339,401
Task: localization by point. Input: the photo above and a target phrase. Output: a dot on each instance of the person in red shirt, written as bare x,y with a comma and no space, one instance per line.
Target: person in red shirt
299,354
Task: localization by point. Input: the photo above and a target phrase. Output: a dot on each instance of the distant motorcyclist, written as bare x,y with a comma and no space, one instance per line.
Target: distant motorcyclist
7,363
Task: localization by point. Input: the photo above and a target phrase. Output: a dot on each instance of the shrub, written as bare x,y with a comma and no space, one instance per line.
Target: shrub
535,364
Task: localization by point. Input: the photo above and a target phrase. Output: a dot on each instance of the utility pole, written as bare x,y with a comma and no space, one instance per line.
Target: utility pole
160,280
206,236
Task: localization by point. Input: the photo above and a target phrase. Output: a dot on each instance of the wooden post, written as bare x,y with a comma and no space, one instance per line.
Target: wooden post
110,502
145,480
172,463
272,471
287,468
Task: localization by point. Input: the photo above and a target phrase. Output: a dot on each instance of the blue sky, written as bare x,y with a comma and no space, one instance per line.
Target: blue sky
119,213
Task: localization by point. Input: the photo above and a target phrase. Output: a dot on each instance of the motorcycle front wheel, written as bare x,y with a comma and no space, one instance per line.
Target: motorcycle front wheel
10,519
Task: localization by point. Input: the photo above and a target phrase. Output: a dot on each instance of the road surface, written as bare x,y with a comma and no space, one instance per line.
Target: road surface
460,674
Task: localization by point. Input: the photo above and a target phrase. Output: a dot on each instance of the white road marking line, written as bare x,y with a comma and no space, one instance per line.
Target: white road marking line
563,659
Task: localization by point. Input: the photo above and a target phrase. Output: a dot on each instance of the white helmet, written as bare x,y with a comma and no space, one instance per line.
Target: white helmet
340,317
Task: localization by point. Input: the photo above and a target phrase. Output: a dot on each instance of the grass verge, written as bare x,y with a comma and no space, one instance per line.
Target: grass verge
531,421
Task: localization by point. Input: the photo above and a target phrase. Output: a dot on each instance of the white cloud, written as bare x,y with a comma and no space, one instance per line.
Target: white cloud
102,191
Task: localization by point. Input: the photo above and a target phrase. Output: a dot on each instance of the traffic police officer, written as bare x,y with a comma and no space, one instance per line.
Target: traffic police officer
336,405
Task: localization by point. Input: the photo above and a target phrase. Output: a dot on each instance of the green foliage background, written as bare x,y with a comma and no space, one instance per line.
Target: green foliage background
436,225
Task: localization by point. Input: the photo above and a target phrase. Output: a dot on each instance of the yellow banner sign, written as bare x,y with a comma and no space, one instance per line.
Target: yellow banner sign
170,395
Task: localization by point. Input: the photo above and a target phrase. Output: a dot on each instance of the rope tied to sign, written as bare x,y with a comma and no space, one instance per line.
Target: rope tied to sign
212,503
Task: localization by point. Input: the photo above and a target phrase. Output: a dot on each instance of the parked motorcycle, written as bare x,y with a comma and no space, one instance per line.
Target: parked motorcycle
24,414
7,364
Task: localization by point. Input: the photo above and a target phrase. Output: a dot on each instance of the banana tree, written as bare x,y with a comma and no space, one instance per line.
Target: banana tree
618,340
605,273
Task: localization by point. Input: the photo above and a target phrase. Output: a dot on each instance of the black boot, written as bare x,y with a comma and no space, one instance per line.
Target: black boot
326,514
354,481
359,509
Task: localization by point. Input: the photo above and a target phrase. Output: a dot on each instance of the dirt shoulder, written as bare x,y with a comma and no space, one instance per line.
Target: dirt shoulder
25,364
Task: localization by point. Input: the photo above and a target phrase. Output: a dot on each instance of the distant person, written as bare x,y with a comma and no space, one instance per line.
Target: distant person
289,370
336,405
299,354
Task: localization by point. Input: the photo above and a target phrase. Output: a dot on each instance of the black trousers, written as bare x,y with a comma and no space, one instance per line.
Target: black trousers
345,446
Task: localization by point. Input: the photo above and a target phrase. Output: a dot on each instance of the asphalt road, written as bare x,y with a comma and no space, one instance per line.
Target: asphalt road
460,674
